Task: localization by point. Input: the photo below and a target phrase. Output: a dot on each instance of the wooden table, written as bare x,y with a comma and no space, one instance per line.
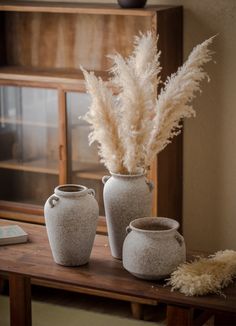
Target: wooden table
32,262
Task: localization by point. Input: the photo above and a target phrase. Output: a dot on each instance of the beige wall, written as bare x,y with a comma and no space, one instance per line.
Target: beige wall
210,140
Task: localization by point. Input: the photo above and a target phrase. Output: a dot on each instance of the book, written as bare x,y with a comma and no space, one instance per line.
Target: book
12,234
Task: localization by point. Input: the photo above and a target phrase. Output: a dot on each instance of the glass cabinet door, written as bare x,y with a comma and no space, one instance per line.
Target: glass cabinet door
84,164
29,168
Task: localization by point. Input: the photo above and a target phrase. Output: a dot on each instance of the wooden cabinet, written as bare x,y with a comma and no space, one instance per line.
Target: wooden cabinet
42,94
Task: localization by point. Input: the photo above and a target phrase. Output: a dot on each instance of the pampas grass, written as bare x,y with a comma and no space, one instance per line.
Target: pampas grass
134,126
205,275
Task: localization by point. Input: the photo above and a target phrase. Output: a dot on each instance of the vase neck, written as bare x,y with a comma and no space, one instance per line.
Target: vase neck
71,190
128,176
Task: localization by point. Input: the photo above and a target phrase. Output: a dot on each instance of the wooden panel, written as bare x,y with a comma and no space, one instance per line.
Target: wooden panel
169,28
100,293
54,41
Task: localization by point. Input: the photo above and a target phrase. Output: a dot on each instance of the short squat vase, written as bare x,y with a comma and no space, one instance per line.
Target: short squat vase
153,248
126,197
71,216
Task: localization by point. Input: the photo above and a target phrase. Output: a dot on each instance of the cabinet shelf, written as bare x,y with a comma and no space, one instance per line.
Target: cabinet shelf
39,166
79,8
68,79
89,171
26,123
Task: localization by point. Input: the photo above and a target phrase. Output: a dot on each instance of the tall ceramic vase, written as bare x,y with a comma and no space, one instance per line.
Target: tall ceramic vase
126,197
71,216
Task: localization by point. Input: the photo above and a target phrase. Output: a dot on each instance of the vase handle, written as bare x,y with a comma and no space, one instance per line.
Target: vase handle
150,184
105,178
128,229
179,239
52,200
91,192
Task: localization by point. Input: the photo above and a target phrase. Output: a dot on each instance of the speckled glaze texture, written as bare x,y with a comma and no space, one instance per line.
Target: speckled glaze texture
153,248
71,216
126,197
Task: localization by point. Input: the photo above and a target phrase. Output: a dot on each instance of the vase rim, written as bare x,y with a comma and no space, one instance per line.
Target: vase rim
68,190
127,175
154,225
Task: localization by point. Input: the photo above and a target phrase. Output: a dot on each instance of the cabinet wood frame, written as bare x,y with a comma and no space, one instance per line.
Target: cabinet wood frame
166,170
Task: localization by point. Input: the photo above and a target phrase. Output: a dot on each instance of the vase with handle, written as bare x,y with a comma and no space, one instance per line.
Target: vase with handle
126,197
71,215
153,247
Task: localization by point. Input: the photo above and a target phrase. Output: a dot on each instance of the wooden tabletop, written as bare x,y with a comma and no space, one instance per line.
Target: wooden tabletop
102,273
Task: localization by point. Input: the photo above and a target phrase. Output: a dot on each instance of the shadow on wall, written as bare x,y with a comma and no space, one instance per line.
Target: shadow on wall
205,182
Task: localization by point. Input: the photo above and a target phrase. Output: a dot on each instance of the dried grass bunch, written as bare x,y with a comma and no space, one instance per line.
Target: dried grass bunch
205,275
132,127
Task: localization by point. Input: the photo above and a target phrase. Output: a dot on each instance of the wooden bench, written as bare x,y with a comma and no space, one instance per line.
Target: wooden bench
32,263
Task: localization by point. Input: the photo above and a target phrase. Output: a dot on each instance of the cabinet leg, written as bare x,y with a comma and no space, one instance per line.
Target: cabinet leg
137,310
20,300
179,316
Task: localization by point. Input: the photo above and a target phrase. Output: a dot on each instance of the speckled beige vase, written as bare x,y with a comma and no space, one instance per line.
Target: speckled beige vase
71,216
126,197
153,248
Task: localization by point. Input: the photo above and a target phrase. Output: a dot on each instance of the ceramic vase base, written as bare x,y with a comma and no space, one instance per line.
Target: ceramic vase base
149,277
117,257
71,264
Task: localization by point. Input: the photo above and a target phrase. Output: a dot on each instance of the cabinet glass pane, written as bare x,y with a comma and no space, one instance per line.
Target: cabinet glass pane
29,167
84,164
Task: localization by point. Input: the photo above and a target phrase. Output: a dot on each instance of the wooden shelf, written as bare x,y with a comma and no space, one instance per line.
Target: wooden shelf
39,166
89,170
81,170
68,79
27,123
80,8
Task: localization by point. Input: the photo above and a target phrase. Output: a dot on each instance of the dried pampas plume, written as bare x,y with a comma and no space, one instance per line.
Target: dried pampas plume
174,101
134,126
205,275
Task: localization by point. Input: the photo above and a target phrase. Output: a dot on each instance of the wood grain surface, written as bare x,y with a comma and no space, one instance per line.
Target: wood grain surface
103,273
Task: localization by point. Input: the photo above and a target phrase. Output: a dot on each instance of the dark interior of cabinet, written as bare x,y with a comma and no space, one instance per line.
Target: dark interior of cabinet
26,187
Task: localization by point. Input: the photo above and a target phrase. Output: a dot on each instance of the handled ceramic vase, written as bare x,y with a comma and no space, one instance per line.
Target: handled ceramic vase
71,216
126,197
153,248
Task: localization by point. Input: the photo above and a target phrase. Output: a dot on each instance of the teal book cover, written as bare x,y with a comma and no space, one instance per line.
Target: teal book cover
11,234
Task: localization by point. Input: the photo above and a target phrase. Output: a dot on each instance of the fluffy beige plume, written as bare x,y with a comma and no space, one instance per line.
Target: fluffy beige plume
137,78
205,275
134,126
173,103
104,120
